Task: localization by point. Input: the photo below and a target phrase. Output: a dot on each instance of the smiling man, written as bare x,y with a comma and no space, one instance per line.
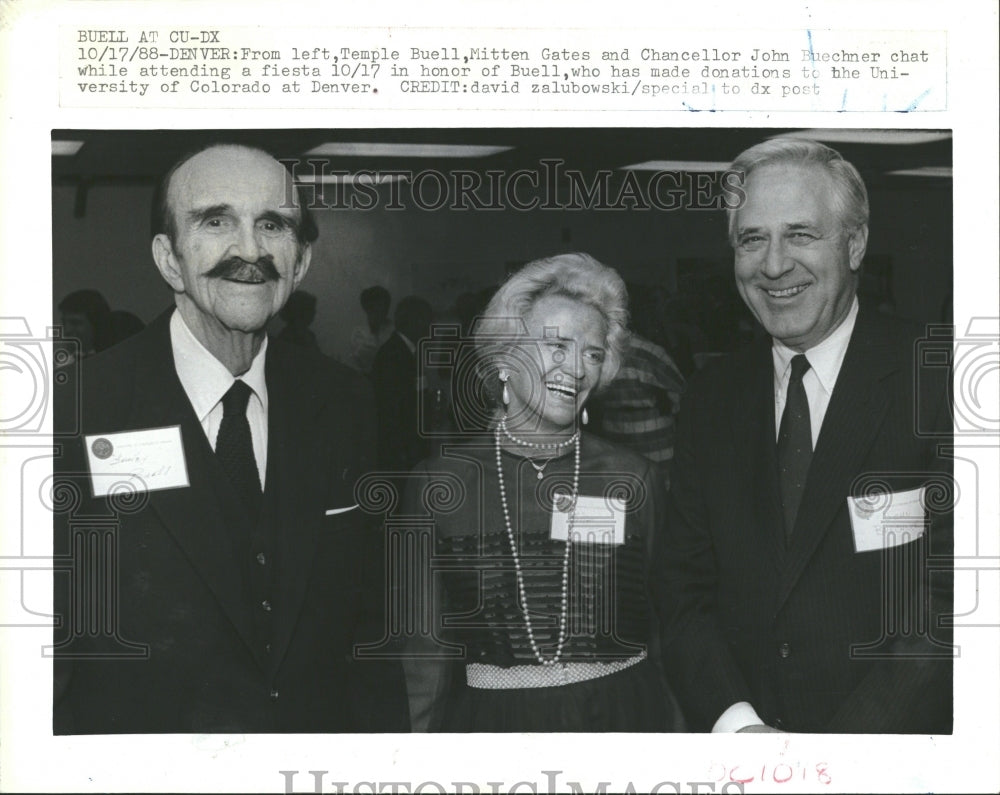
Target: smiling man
227,592
231,248
806,573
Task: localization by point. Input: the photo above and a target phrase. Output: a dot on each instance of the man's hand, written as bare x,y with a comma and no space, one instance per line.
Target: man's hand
759,729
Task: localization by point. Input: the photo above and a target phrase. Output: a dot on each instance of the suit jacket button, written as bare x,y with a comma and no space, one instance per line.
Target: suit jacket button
779,723
261,559
785,651
274,695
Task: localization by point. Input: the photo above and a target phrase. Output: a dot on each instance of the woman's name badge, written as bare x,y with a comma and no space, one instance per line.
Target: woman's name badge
887,519
136,461
597,520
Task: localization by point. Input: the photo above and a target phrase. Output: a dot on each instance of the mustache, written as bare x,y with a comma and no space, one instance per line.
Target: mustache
240,270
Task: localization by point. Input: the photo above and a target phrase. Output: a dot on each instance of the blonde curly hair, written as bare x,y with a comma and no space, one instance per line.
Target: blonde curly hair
577,276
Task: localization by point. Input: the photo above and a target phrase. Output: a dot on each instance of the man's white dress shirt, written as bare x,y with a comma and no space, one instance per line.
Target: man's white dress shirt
206,380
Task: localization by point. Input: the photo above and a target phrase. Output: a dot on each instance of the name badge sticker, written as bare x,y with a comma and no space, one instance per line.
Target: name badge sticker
597,520
887,520
150,460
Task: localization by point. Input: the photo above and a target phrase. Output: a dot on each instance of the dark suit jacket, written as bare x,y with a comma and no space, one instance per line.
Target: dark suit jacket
394,374
817,637
157,627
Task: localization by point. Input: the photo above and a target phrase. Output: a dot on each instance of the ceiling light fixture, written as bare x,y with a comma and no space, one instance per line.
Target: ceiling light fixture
364,178
678,165
65,148
892,137
349,149
936,172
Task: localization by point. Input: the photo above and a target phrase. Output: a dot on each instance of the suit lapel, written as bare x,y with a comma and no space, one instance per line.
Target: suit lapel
753,433
191,515
856,411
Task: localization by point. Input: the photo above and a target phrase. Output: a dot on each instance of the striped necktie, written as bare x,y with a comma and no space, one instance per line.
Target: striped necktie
794,443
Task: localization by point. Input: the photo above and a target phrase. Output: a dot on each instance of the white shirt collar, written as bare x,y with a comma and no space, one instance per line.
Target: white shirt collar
205,379
825,359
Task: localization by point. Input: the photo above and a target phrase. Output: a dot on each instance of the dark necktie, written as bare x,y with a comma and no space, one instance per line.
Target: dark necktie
234,446
794,443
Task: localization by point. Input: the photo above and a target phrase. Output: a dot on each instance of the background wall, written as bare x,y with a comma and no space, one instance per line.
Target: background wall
437,254
101,237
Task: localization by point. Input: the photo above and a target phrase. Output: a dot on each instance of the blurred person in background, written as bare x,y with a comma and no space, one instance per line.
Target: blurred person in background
86,317
367,339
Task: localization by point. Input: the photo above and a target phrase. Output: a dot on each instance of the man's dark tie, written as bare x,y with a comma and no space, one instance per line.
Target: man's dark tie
794,443
234,446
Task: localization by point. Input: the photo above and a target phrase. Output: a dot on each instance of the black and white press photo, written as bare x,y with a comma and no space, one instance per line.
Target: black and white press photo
503,430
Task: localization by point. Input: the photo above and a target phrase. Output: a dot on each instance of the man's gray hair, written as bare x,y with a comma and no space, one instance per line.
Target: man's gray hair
850,194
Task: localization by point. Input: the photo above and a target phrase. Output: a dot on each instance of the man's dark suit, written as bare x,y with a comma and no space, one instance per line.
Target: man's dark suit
749,618
394,374
182,574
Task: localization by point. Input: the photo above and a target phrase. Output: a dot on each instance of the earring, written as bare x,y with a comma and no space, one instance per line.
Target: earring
583,417
504,395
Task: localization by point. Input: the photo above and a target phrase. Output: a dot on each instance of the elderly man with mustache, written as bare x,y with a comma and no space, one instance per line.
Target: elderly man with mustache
231,589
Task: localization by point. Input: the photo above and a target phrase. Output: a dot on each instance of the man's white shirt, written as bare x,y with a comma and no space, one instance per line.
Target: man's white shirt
206,380
825,360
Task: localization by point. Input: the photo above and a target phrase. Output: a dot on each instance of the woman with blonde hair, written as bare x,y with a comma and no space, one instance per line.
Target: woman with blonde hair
540,563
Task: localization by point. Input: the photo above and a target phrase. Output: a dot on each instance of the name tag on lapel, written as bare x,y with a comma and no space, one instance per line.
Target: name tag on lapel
597,520
886,520
150,460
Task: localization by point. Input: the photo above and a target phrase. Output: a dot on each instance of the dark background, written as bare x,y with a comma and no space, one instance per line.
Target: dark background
101,198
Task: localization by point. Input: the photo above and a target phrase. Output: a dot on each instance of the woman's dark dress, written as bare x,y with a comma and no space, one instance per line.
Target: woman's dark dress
609,617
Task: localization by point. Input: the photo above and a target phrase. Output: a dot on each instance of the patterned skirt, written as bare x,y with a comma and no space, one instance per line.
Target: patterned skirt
636,699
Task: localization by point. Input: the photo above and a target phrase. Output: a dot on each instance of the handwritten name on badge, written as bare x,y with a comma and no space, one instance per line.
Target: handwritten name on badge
887,520
149,460
597,520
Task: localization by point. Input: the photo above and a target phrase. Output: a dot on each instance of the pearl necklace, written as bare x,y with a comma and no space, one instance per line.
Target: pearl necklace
502,426
564,601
